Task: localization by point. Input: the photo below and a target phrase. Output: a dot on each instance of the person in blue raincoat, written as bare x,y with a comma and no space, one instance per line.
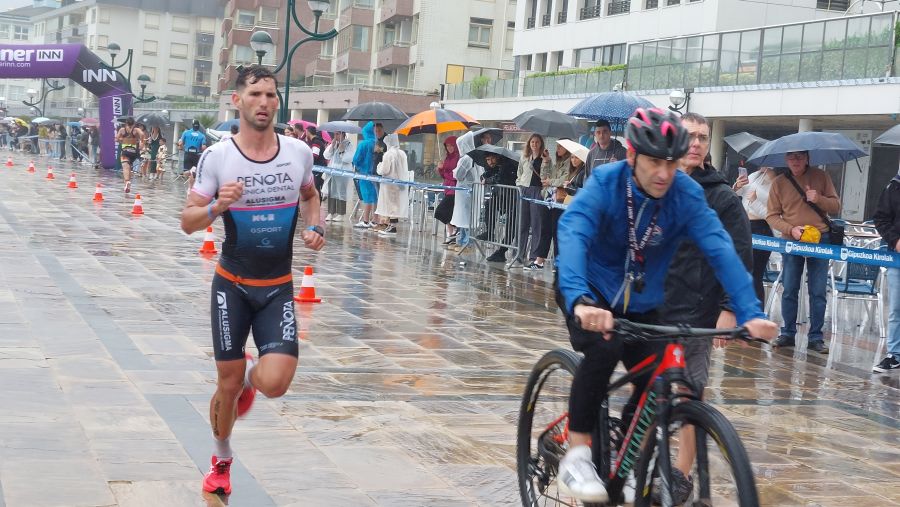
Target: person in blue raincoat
362,162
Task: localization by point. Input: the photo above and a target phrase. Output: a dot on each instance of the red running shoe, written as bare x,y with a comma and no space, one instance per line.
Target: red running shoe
218,480
245,400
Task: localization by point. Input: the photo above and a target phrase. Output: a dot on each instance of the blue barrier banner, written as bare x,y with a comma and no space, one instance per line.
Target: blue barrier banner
380,179
824,251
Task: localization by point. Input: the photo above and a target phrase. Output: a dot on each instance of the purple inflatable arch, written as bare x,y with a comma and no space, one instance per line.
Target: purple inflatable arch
78,63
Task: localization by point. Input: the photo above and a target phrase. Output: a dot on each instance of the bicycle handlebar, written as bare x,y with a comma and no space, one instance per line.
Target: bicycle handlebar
635,332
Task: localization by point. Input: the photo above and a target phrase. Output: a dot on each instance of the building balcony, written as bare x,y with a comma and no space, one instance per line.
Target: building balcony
396,54
202,64
545,19
393,8
353,60
227,25
593,11
360,16
529,23
318,66
562,17
224,53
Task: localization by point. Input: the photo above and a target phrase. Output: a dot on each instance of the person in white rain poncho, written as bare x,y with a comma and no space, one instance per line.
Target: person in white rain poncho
467,173
393,200
339,154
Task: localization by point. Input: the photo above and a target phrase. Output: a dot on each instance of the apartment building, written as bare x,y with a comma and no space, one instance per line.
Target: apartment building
173,43
16,27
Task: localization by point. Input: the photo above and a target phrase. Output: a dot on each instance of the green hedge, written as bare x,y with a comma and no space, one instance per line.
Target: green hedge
591,70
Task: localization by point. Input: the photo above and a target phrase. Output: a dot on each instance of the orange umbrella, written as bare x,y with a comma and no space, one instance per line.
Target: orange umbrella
435,121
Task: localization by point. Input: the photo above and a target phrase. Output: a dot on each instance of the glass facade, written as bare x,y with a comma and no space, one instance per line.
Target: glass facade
841,48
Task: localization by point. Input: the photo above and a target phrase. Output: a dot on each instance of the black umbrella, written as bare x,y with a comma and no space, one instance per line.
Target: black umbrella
374,111
549,123
892,136
745,143
153,120
496,135
479,154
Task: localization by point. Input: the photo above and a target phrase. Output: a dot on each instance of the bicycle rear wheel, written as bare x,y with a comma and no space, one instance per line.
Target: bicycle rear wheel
721,473
543,428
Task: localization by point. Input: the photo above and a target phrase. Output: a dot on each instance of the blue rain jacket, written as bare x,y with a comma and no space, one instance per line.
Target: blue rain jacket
593,233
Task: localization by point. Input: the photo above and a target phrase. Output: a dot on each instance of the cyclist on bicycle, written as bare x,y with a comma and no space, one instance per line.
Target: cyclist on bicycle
620,234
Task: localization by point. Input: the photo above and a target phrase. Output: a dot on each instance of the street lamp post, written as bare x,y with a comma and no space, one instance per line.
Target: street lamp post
680,99
261,42
114,50
143,80
38,104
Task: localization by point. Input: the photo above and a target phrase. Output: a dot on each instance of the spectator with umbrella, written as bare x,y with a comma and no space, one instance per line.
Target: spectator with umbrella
501,166
754,193
340,156
533,176
362,162
605,149
444,210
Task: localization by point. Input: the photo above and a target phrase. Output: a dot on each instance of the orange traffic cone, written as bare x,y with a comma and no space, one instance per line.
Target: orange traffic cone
50,173
98,193
31,167
72,182
209,243
307,288
138,208
9,162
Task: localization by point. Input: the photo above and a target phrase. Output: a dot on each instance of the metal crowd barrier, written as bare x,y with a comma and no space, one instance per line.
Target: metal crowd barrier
495,218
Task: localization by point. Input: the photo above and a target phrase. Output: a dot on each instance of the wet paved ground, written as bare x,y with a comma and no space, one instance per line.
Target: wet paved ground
408,385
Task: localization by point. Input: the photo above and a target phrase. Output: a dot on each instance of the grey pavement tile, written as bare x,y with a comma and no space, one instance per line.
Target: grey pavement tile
375,468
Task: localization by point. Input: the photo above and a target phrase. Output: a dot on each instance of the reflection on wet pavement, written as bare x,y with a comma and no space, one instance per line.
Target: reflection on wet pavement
408,387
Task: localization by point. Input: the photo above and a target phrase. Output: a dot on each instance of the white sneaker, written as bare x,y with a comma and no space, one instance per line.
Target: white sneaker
361,225
337,218
578,478
328,218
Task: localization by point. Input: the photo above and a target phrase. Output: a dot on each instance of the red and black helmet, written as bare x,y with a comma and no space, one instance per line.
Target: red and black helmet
657,133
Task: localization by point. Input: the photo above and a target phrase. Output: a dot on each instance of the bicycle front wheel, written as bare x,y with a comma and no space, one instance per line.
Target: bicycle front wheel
542,438
721,475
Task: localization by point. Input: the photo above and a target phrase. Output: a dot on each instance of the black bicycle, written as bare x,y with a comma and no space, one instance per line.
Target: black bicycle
631,464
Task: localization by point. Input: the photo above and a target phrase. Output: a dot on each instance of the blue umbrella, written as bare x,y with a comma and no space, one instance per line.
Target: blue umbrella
226,125
823,147
73,124
609,106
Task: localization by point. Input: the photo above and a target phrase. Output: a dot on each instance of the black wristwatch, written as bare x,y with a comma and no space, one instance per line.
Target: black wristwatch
317,229
584,300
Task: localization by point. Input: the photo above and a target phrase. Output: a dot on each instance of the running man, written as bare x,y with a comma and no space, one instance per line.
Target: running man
620,233
257,181
131,140
193,142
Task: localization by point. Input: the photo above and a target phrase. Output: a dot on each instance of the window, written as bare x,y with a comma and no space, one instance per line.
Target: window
4,31
204,51
243,55
181,24
93,16
389,35
177,77
206,25
151,47
833,5
201,78
360,41
104,15
20,32
177,50
510,35
651,4
327,50
480,32
268,16
151,20
601,55
246,19
150,71
102,41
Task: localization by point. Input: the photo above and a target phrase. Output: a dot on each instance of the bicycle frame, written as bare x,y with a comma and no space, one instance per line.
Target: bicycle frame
653,406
